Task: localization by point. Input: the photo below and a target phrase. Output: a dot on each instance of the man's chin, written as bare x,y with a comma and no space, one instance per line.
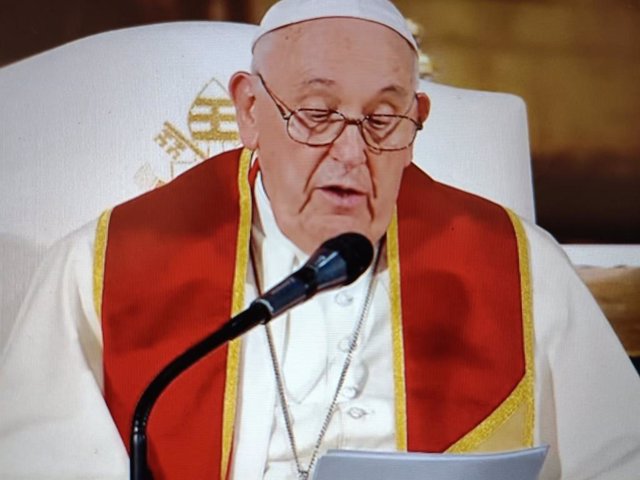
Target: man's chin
333,226
318,228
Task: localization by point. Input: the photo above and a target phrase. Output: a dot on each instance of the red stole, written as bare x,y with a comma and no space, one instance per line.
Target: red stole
168,280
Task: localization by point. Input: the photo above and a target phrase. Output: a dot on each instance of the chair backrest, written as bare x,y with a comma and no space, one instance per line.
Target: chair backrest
100,120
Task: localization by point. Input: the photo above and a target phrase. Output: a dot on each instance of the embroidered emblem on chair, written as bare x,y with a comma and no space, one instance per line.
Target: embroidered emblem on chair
210,129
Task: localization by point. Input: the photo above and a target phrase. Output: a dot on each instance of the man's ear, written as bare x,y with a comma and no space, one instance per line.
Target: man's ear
424,106
241,88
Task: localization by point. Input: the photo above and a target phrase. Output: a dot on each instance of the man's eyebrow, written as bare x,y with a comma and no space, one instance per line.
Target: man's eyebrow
395,89
327,82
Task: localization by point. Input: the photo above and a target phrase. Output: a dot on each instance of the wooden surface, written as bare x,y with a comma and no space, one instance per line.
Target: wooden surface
617,291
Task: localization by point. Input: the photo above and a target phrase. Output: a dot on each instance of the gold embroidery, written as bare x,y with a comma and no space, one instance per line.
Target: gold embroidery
233,353
527,316
490,425
99,252
175,143
171,140
497,424
212,129
214,113
509,435
393,260
212,117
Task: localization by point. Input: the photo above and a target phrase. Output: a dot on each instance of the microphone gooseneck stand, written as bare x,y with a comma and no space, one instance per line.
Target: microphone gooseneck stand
338,261
257,313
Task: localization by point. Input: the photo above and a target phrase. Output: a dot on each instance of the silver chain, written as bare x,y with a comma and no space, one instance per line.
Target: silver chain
303,474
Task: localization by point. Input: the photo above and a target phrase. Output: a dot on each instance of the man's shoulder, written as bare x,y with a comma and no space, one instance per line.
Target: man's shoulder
542,245
216,174
420,190
201,198
79,243
454,208
439,207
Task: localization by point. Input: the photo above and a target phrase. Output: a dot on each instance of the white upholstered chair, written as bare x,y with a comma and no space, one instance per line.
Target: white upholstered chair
100,120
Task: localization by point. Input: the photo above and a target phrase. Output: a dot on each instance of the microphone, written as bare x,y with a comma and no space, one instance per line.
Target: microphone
339,261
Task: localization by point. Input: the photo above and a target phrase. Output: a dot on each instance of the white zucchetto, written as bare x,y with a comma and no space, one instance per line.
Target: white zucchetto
289,12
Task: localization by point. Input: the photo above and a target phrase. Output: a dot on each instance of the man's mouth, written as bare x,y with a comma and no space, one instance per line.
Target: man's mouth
342,191
344,197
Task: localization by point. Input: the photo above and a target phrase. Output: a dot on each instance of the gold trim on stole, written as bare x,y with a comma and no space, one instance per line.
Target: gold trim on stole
527,318
99,254
399,385
237,304
511,425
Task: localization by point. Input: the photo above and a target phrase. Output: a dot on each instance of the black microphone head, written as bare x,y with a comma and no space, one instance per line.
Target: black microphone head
356,251
339,261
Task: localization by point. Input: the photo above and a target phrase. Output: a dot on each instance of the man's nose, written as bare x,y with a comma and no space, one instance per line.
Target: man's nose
350,147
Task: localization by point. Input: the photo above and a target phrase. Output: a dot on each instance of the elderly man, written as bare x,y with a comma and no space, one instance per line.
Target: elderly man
468,333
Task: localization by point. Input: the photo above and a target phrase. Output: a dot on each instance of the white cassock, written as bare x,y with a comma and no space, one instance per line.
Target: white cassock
55,424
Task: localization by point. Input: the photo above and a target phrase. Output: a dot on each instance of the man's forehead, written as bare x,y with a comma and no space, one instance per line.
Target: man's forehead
331,54
293,12
326,30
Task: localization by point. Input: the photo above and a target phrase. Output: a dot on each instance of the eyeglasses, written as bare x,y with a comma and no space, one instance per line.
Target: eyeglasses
320,127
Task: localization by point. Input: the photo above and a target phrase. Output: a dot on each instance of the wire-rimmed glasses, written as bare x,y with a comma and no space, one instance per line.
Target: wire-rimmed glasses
320,127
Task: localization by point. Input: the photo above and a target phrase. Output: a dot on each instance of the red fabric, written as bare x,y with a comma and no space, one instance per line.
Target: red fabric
168,279
168,282
462,317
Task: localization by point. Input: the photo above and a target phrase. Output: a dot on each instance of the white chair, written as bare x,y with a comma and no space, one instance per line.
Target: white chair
100,120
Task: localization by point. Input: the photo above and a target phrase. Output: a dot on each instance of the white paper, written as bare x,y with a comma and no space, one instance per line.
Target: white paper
364,465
